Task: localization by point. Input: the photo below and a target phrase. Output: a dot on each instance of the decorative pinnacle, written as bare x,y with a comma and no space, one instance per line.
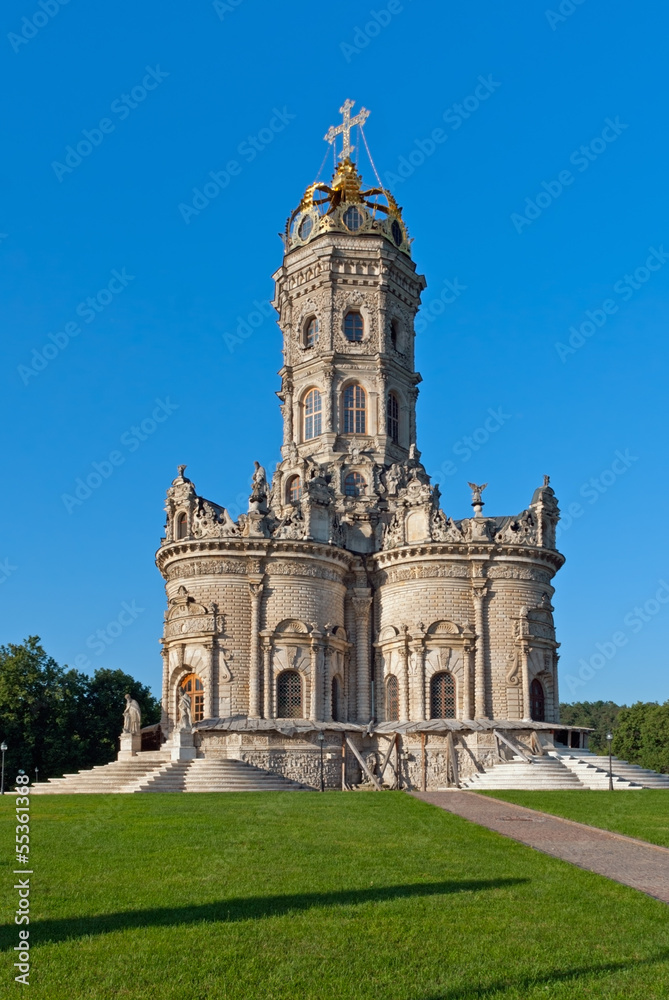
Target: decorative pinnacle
477,503
345,128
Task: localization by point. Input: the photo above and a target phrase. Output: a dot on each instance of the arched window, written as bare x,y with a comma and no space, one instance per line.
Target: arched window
353,326
353,218
354,407
537,701
354,485
294,489
395,333
442,696
336,700
393,418
313,421
193,686
182,525
311,332
289,695
392,699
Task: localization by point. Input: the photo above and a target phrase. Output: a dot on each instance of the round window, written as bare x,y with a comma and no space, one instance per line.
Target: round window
396,230
306,225
353,218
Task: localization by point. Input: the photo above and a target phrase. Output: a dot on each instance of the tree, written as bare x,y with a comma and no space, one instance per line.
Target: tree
642,735
601,716
58,719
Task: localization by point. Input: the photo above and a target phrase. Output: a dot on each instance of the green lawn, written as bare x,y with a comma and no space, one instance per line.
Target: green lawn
314,897
643,814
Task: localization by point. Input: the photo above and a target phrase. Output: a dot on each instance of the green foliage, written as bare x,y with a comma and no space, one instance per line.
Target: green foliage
61,720
642,735
601,716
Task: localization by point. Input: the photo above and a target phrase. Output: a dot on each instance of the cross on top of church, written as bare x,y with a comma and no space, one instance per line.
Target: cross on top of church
345,128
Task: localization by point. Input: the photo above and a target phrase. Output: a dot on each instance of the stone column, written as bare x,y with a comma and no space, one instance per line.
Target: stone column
316,673
467,671
556,692
209,687
525,679
479,595
361,608
268,707
417,646
327,684
404,683
287,411
255,590
165,722
328,422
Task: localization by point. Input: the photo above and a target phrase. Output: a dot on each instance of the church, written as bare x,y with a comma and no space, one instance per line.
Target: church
346,630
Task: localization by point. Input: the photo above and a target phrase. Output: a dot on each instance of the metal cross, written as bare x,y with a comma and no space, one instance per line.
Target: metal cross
345,128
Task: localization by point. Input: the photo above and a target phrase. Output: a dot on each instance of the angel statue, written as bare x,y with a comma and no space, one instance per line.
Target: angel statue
476,492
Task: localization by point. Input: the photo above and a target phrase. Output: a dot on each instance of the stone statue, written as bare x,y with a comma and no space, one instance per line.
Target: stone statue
185,721
476,492
259,482
132,716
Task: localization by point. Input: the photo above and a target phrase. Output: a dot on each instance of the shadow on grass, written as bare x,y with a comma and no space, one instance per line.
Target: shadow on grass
543,979
229,910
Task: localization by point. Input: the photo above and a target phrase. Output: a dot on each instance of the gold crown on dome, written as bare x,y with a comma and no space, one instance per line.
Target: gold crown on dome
343,206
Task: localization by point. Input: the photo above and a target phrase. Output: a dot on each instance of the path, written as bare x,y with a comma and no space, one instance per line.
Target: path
623,859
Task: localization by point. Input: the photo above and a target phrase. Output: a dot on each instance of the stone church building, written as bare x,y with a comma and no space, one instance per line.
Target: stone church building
346,621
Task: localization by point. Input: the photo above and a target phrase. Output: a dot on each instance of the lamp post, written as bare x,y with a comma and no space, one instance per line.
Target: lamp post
37,775
609,738
3,747
321,740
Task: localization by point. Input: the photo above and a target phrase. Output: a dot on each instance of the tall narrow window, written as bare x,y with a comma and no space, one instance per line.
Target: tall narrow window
537,701
192,685
354,410
311,332
392,699
182,526
294,491
312,415
442,696
393,418
353,326
289,695
354,485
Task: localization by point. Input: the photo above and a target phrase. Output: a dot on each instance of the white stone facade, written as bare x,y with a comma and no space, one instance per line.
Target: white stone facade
346,594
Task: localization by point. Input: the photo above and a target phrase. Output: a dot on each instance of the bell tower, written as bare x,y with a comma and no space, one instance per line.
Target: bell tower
347,294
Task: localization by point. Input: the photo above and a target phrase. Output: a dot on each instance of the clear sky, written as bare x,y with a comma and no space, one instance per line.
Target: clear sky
541,198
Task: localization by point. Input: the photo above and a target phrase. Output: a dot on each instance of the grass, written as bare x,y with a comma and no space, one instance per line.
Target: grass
643,814
275,896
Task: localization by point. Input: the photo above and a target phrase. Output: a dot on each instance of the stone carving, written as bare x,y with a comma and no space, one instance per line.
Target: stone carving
132,716
212,521
521,530
291,526
443,529
259,482
185,724
512,669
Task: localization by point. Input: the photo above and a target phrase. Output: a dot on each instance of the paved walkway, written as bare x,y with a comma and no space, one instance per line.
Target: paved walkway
623,859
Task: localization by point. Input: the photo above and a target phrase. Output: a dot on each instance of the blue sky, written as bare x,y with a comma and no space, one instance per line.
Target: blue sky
537,236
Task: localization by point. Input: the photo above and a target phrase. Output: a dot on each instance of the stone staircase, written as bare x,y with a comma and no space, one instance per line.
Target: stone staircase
160,774
537,773
631,774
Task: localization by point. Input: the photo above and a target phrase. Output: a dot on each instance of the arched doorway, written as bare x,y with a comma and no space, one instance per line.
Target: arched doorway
442,696
537,701
289,695
193,686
